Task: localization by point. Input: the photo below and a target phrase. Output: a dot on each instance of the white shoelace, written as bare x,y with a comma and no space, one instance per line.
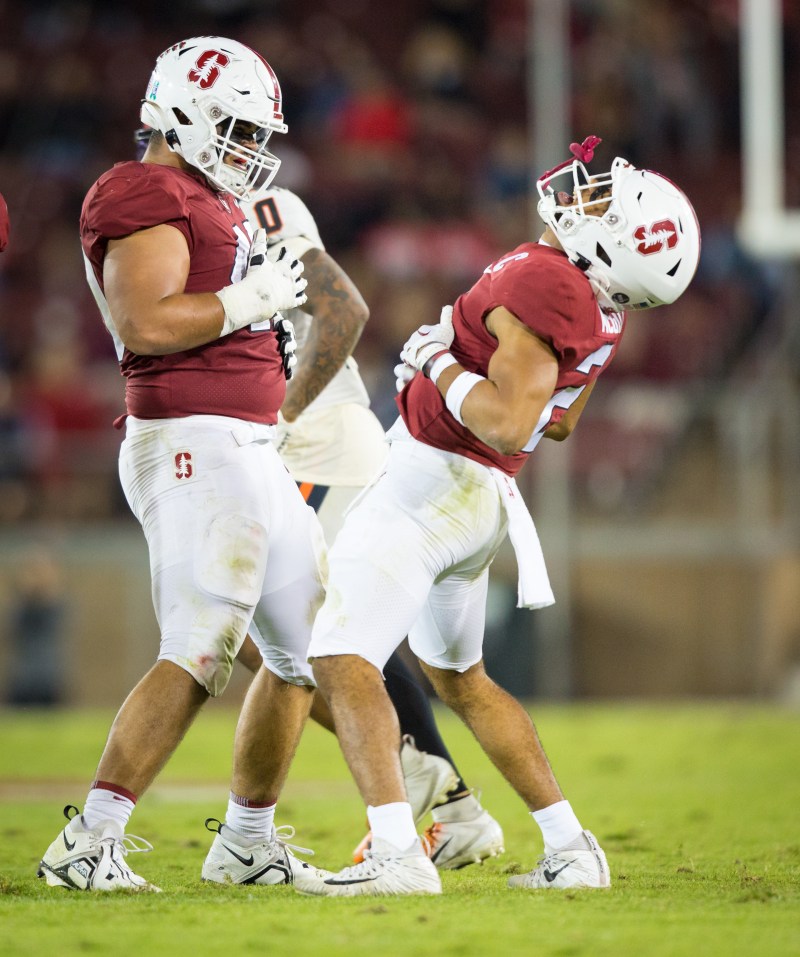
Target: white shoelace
129,844
287,831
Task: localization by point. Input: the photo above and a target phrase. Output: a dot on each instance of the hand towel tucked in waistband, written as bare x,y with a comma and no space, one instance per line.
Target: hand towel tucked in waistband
533,588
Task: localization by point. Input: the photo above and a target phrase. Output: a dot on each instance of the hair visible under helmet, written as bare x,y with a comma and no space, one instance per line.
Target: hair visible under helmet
638,242
200,93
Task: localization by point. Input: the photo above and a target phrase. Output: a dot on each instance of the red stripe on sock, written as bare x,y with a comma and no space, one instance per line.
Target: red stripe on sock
108,786
246,802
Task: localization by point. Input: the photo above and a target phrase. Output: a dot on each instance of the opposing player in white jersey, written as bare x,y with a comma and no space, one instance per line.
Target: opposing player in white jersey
333,445
193,305
514,360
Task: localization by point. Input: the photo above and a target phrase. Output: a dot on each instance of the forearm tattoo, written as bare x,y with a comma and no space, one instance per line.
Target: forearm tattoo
339,313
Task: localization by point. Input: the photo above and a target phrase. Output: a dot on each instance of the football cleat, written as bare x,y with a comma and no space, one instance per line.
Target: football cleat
93,859
385,872
427,778
462,833
581,863
234,860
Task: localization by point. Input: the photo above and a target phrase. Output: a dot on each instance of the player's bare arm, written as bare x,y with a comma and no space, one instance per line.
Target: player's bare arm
339,313
144,277
503,410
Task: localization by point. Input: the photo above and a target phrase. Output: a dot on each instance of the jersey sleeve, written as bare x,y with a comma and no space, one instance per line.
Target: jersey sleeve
287,220
552,298
125,202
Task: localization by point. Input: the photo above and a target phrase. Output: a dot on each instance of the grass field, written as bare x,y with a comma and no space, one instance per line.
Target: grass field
696,807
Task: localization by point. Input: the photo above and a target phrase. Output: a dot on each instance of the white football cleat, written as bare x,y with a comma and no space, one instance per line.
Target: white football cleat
462,833
93,859
581,863
233,860
427,777
385,872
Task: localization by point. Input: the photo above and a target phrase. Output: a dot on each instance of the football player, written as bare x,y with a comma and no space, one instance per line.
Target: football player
193,306
514,360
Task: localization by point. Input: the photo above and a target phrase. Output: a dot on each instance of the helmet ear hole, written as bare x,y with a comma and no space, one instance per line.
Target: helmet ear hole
602,255
181,117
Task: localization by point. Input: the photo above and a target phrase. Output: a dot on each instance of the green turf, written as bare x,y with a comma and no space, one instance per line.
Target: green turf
695,805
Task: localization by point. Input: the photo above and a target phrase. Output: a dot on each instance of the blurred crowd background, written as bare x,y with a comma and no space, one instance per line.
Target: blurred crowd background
409,139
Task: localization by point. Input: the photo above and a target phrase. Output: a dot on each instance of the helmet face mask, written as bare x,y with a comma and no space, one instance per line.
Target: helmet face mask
632,231
206,95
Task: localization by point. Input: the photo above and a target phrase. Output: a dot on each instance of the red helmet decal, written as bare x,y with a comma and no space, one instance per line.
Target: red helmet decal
207,68
652,239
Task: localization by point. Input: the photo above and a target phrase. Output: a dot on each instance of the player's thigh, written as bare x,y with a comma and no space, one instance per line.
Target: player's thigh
382,566
448,633
206,522
294,579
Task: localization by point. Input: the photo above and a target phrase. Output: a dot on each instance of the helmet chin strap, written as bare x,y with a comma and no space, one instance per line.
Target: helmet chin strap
600,286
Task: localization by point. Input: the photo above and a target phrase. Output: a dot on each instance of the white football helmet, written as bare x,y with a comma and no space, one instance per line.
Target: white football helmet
632,231
209,96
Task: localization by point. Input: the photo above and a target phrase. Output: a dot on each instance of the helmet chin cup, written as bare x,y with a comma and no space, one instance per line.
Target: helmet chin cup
200,88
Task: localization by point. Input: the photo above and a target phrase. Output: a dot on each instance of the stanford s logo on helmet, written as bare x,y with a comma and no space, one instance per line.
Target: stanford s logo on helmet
652,238
207,68
632,231
217,102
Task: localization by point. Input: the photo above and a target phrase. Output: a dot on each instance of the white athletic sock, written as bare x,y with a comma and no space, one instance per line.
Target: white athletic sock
254,822
104,803
394,823
559,825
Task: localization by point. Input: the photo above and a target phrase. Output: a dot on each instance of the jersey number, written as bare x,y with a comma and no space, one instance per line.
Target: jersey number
564,398
268,216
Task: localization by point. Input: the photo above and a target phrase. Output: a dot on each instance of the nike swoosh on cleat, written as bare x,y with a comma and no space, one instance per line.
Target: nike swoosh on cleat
355,880
439,850
67,844
550,876
247,861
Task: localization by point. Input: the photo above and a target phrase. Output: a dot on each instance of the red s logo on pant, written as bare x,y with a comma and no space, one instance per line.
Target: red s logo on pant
183,465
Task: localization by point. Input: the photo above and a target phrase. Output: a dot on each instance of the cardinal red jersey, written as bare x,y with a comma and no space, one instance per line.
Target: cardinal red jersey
240,375
3,223
553,298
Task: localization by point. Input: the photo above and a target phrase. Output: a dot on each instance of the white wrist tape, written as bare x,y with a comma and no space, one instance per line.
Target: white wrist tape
459,389
440,364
